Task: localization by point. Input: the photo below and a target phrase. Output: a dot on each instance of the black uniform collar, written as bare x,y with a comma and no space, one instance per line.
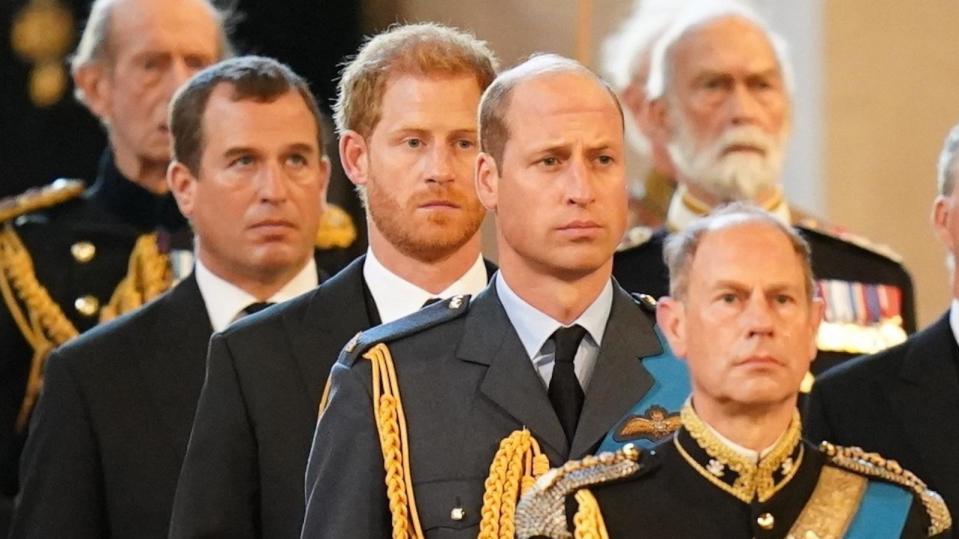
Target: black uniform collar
130,202
730,471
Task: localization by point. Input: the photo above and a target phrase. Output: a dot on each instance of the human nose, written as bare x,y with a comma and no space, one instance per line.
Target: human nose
744,106
440,166
579,188
273,186
758,316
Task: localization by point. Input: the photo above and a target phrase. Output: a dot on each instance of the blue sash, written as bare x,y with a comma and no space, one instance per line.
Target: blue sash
660,405
882,513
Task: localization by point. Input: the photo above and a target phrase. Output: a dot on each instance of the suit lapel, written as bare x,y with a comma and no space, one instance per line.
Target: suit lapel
926,395
335,313
173,362
510,381
619,378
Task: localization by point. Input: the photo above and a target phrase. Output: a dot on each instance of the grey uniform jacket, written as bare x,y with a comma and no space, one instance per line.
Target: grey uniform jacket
466,383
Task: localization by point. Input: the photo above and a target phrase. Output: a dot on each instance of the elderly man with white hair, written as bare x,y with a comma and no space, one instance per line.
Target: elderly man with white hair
719,95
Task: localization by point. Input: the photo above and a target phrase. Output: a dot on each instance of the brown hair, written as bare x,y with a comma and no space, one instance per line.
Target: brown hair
251,77
680,248
416,49
493,127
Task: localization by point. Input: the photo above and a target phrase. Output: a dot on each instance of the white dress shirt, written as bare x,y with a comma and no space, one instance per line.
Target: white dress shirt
225,301
396,297
535,328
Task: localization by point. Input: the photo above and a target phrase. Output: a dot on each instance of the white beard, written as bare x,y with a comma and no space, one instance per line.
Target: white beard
733,176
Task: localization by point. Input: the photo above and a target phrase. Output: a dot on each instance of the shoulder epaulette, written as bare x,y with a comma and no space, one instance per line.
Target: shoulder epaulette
647,302
635,237
811,225
425,318
874,465
542,510
37,198
336,229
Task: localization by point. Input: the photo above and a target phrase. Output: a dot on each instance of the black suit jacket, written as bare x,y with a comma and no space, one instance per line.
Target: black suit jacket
466,384
243,473
902,403
112,425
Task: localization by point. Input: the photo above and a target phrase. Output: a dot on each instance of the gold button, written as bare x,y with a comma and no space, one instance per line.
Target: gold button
766,521
458,513
83,251
87,305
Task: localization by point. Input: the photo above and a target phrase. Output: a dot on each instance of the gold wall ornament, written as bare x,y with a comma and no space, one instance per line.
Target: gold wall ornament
42,34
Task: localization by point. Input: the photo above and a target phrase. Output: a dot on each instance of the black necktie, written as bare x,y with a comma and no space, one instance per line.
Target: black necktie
256,307
430,301
564,390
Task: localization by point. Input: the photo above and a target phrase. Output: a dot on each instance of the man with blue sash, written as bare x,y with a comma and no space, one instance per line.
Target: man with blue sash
743,314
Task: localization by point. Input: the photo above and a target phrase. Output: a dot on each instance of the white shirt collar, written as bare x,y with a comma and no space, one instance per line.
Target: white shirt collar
535,327
225,301
684,209
954,319
396,297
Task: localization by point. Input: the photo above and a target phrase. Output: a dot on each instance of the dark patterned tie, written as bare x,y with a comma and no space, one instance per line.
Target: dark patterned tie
256,307
430,301
564,390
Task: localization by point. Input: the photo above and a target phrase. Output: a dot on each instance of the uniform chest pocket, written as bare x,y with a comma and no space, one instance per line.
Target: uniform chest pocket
449,505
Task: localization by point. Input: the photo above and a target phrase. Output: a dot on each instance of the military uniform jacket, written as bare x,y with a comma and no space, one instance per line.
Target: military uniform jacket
466,383
694,486
111,428
642,269
243,472
109,217
902,402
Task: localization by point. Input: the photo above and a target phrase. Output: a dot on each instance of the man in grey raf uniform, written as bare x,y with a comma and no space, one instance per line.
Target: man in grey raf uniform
548,357
743,315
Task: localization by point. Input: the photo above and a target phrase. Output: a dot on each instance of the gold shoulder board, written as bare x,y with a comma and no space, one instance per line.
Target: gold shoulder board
541,511
37,198
336,229
874,465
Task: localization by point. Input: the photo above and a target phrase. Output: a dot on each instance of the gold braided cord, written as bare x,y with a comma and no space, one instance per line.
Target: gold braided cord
394,443
336,228
515,467
39,318
875,465
149,274
588,521
38,198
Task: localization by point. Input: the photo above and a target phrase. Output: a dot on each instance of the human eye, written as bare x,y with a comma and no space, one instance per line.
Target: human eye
297,160
550,161
728,298
413,142
605,159
784,299
465,144
242,161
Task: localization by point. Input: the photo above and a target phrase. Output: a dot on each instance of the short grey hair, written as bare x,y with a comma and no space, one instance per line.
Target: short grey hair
947,162
681,247
630,46
697,16
494,105
94,45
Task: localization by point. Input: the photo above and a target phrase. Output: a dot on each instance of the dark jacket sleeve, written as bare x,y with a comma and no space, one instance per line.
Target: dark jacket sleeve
345,481
61,480
815,421
217,494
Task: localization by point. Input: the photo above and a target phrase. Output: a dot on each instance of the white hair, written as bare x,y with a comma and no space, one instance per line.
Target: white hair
696,16
947,162
628,48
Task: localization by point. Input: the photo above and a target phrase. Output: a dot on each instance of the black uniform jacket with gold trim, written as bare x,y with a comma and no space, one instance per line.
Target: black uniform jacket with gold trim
109,216
670,497
903,403
466,383
642,269
243,472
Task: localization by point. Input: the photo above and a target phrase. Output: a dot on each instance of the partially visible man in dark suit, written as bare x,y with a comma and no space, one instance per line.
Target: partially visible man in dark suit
548,355
111,429
406,113
719,87
904,402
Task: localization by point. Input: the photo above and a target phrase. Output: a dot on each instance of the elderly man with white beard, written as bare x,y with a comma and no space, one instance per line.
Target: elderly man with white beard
719,90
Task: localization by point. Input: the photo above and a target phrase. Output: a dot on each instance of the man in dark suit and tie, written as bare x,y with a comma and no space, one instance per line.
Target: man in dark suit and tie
904,402
112,425
547,358
406,114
